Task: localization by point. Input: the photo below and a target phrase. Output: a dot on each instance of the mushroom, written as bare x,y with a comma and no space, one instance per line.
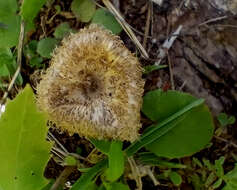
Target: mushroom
93,86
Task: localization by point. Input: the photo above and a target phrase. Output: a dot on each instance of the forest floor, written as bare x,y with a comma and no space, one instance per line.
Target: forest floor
202,61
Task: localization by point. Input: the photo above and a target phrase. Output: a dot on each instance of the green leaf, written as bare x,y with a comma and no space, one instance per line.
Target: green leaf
8,64
102,145
70,161
30,9
30,49
106,19
36,62
24,149
152,160
219,166
150,68
210,179
230,186
157,131
231,179
225,120
86,179
30,52
62,30
208,164
46,46
116,186
189,135
8,7
83,9
11,22
49,185
197,162
217,184
92,186
196,182
175,178
116,161
4,72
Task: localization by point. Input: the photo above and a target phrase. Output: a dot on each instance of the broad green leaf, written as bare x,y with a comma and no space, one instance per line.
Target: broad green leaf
24,149
30,53
92,186
36,62
116,186
86,179
4,72
102,145
62,30
8,7
175,178
189,135
46,46
49,185
106,19
150,68
101,187
155,132
30,49
30,9
116,161
11,21
83,9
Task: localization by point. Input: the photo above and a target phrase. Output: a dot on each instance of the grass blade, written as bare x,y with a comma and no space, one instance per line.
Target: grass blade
85,180
160,129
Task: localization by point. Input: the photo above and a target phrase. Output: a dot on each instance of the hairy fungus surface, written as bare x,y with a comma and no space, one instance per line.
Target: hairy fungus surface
93,86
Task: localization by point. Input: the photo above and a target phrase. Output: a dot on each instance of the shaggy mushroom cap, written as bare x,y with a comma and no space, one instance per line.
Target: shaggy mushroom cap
93,86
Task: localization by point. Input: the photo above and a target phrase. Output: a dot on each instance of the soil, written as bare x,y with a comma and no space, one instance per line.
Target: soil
203,62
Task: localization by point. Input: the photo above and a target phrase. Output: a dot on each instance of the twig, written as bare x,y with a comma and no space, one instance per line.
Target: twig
62,150
134,29
63,177
167,45
226,141
148,21
213,20
225,25
152,18
56,140
126,27
19,58
135,172
171,72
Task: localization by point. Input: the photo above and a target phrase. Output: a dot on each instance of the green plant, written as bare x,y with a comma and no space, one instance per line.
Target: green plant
181,124
224,121
211,176
23,157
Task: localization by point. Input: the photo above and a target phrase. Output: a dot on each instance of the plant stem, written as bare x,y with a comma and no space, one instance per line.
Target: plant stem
63,177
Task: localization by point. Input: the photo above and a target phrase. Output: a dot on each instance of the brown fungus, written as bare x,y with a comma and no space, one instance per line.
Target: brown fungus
93,86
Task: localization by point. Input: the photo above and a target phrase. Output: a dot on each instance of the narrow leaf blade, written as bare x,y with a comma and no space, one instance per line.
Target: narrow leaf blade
85,180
